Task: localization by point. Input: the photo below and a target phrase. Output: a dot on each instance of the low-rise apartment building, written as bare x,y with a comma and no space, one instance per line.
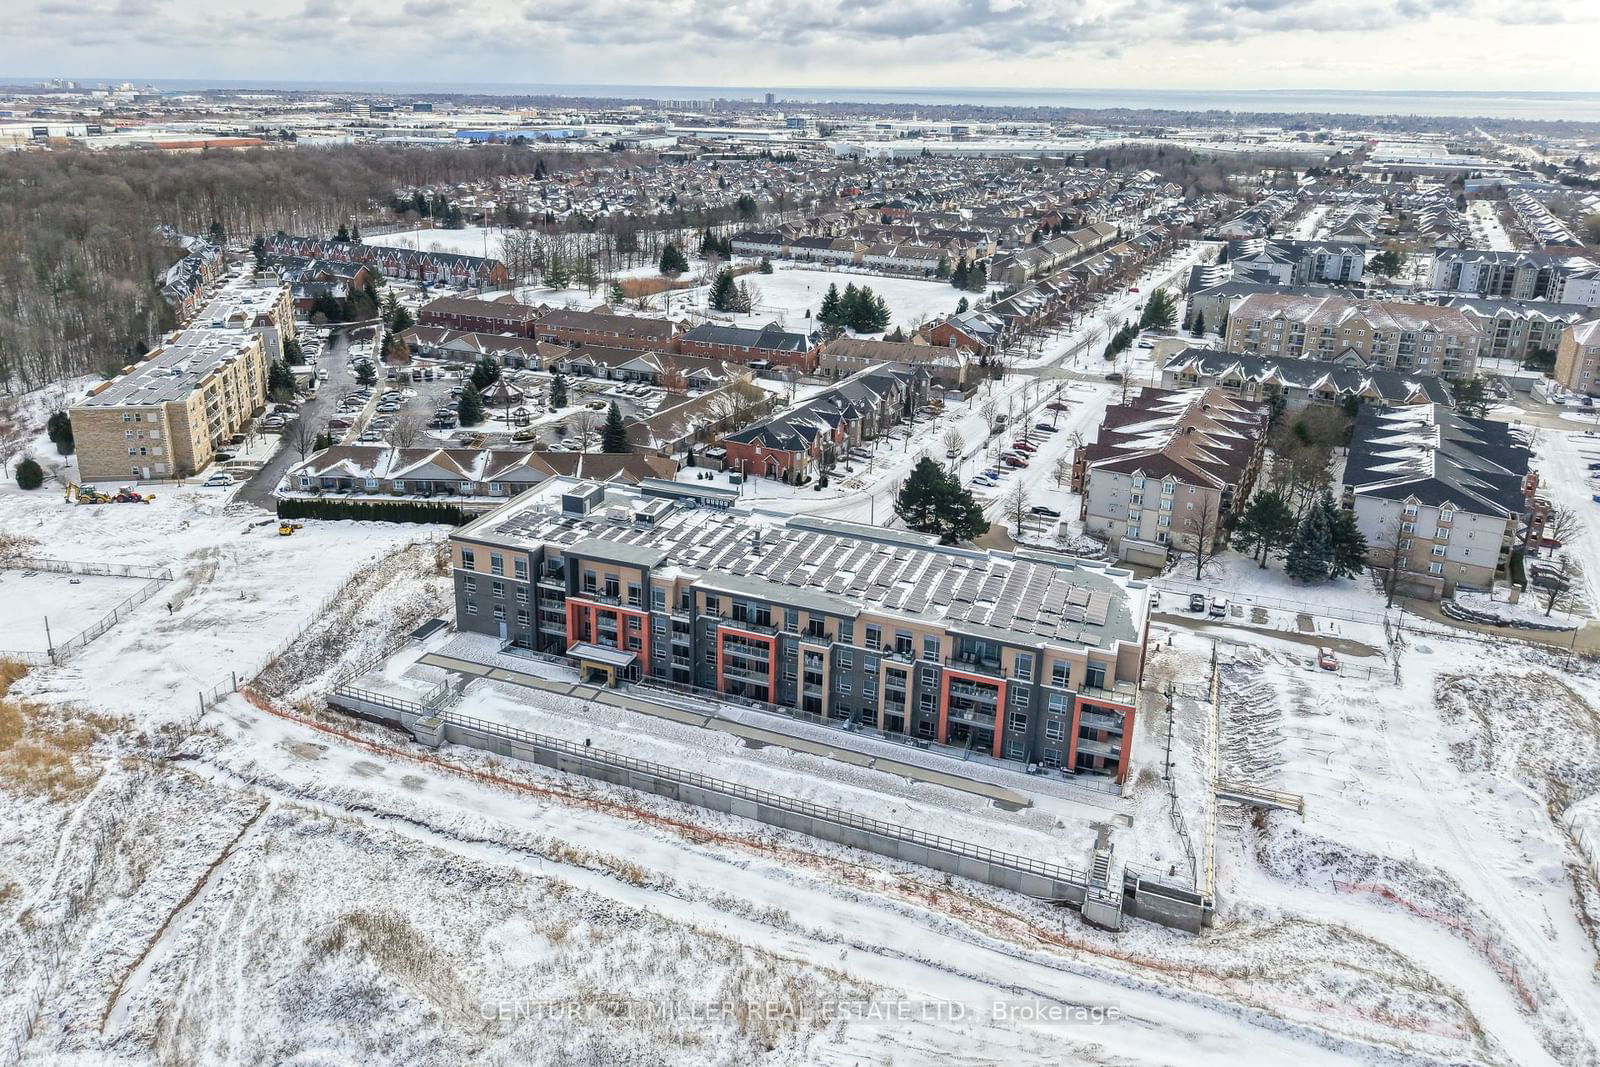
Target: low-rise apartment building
1285,262
1030,659
1438,496
1562,278
1167,471
1518,329
770,344
1578,358
1256,380
566,327
168,414
1412,338
479,316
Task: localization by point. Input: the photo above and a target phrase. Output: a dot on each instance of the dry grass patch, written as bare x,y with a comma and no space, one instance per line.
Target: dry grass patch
40,744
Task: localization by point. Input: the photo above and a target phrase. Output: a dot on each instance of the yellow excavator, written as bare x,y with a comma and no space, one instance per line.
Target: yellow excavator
287,528
83,494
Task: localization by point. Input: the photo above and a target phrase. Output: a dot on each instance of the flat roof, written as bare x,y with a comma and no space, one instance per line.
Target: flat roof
174,370
840,568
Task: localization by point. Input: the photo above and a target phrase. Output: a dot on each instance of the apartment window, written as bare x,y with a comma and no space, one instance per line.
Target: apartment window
1058,704
1167,488
844,685
519,567
930,649
845,661
1060,674
499,589
1436,568
1054,730
1025,666
472,607
1094,677
925,702
468,559
1021,698
497,563
470,584
522,617
714,606
1014,750
1016,721
847,633
634,594
522,594
791,620
613,586
658,599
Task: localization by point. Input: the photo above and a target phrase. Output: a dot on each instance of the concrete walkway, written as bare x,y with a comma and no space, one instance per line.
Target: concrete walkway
709,720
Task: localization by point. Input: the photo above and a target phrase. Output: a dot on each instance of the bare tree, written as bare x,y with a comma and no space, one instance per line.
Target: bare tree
1201,535
1391,557
990,409
304,438
1016,506
1555,583
1563,524
1062,470
953,443
406,431
588,424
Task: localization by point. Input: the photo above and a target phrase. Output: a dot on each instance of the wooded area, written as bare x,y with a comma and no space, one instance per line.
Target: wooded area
80,251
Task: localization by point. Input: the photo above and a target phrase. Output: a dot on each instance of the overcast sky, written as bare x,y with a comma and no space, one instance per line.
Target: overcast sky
1174,44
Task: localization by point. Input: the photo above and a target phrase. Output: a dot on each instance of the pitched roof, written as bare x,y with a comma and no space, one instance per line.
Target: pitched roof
1434,455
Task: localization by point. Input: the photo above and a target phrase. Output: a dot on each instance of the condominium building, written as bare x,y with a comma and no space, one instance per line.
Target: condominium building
1562,278
1518,329
168,414
1298,382
1167,471
1578,358
1438,496
1413,338
1023,657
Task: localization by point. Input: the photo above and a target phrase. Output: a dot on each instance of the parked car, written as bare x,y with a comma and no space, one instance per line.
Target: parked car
1024,446
1197,602
1114,376
221,478
985,482
1057,405
1013,460
1327,660
1219,607
1047,512
1045,427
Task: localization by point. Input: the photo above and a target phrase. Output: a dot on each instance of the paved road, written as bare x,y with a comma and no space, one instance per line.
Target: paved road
750,733
314,413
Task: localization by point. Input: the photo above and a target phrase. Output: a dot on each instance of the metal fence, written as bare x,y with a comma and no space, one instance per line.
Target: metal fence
59,652
839,816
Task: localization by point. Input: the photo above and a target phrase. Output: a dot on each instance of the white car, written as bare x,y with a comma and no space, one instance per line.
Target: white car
221,478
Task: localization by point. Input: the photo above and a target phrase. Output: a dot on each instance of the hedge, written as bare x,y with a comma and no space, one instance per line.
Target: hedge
371,511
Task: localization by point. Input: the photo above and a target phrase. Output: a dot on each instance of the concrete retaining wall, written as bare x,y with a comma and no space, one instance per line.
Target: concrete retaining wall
1165,905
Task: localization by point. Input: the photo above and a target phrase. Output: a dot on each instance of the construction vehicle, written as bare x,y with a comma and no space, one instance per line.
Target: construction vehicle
287,528
128,495
83,494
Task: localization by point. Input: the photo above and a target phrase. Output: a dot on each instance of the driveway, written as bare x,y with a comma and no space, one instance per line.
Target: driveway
315,412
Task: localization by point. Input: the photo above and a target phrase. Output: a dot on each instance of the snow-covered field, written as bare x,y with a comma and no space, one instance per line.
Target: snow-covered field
41,603
470,241
267,881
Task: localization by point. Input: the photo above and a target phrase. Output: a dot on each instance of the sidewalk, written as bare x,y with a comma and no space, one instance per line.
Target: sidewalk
682,711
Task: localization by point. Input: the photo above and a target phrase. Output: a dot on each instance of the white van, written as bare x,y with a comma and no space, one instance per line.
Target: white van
221,478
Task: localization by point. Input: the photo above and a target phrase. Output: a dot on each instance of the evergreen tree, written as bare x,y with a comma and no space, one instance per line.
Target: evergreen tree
1199,329
355,231
829,313
60,430
959,277
258,248
1472,399
1159,311
469,409
588,274
366,373
556,275
708,244
419,204
942,271
343,234
1348,558
400,319
29,474
485,372
616,295
673,261
723,294
280,380
849,305
977,278
614,435
1311,554
558,391
932,501
219,236
765,266
1265,527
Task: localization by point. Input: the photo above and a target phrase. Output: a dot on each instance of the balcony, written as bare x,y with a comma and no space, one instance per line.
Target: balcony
740,674
1099,720
751,625
973,716
963,661
1090,747
599,597
1120,692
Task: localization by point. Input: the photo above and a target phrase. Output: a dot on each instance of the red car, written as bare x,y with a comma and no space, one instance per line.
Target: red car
1011,459
1024,446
